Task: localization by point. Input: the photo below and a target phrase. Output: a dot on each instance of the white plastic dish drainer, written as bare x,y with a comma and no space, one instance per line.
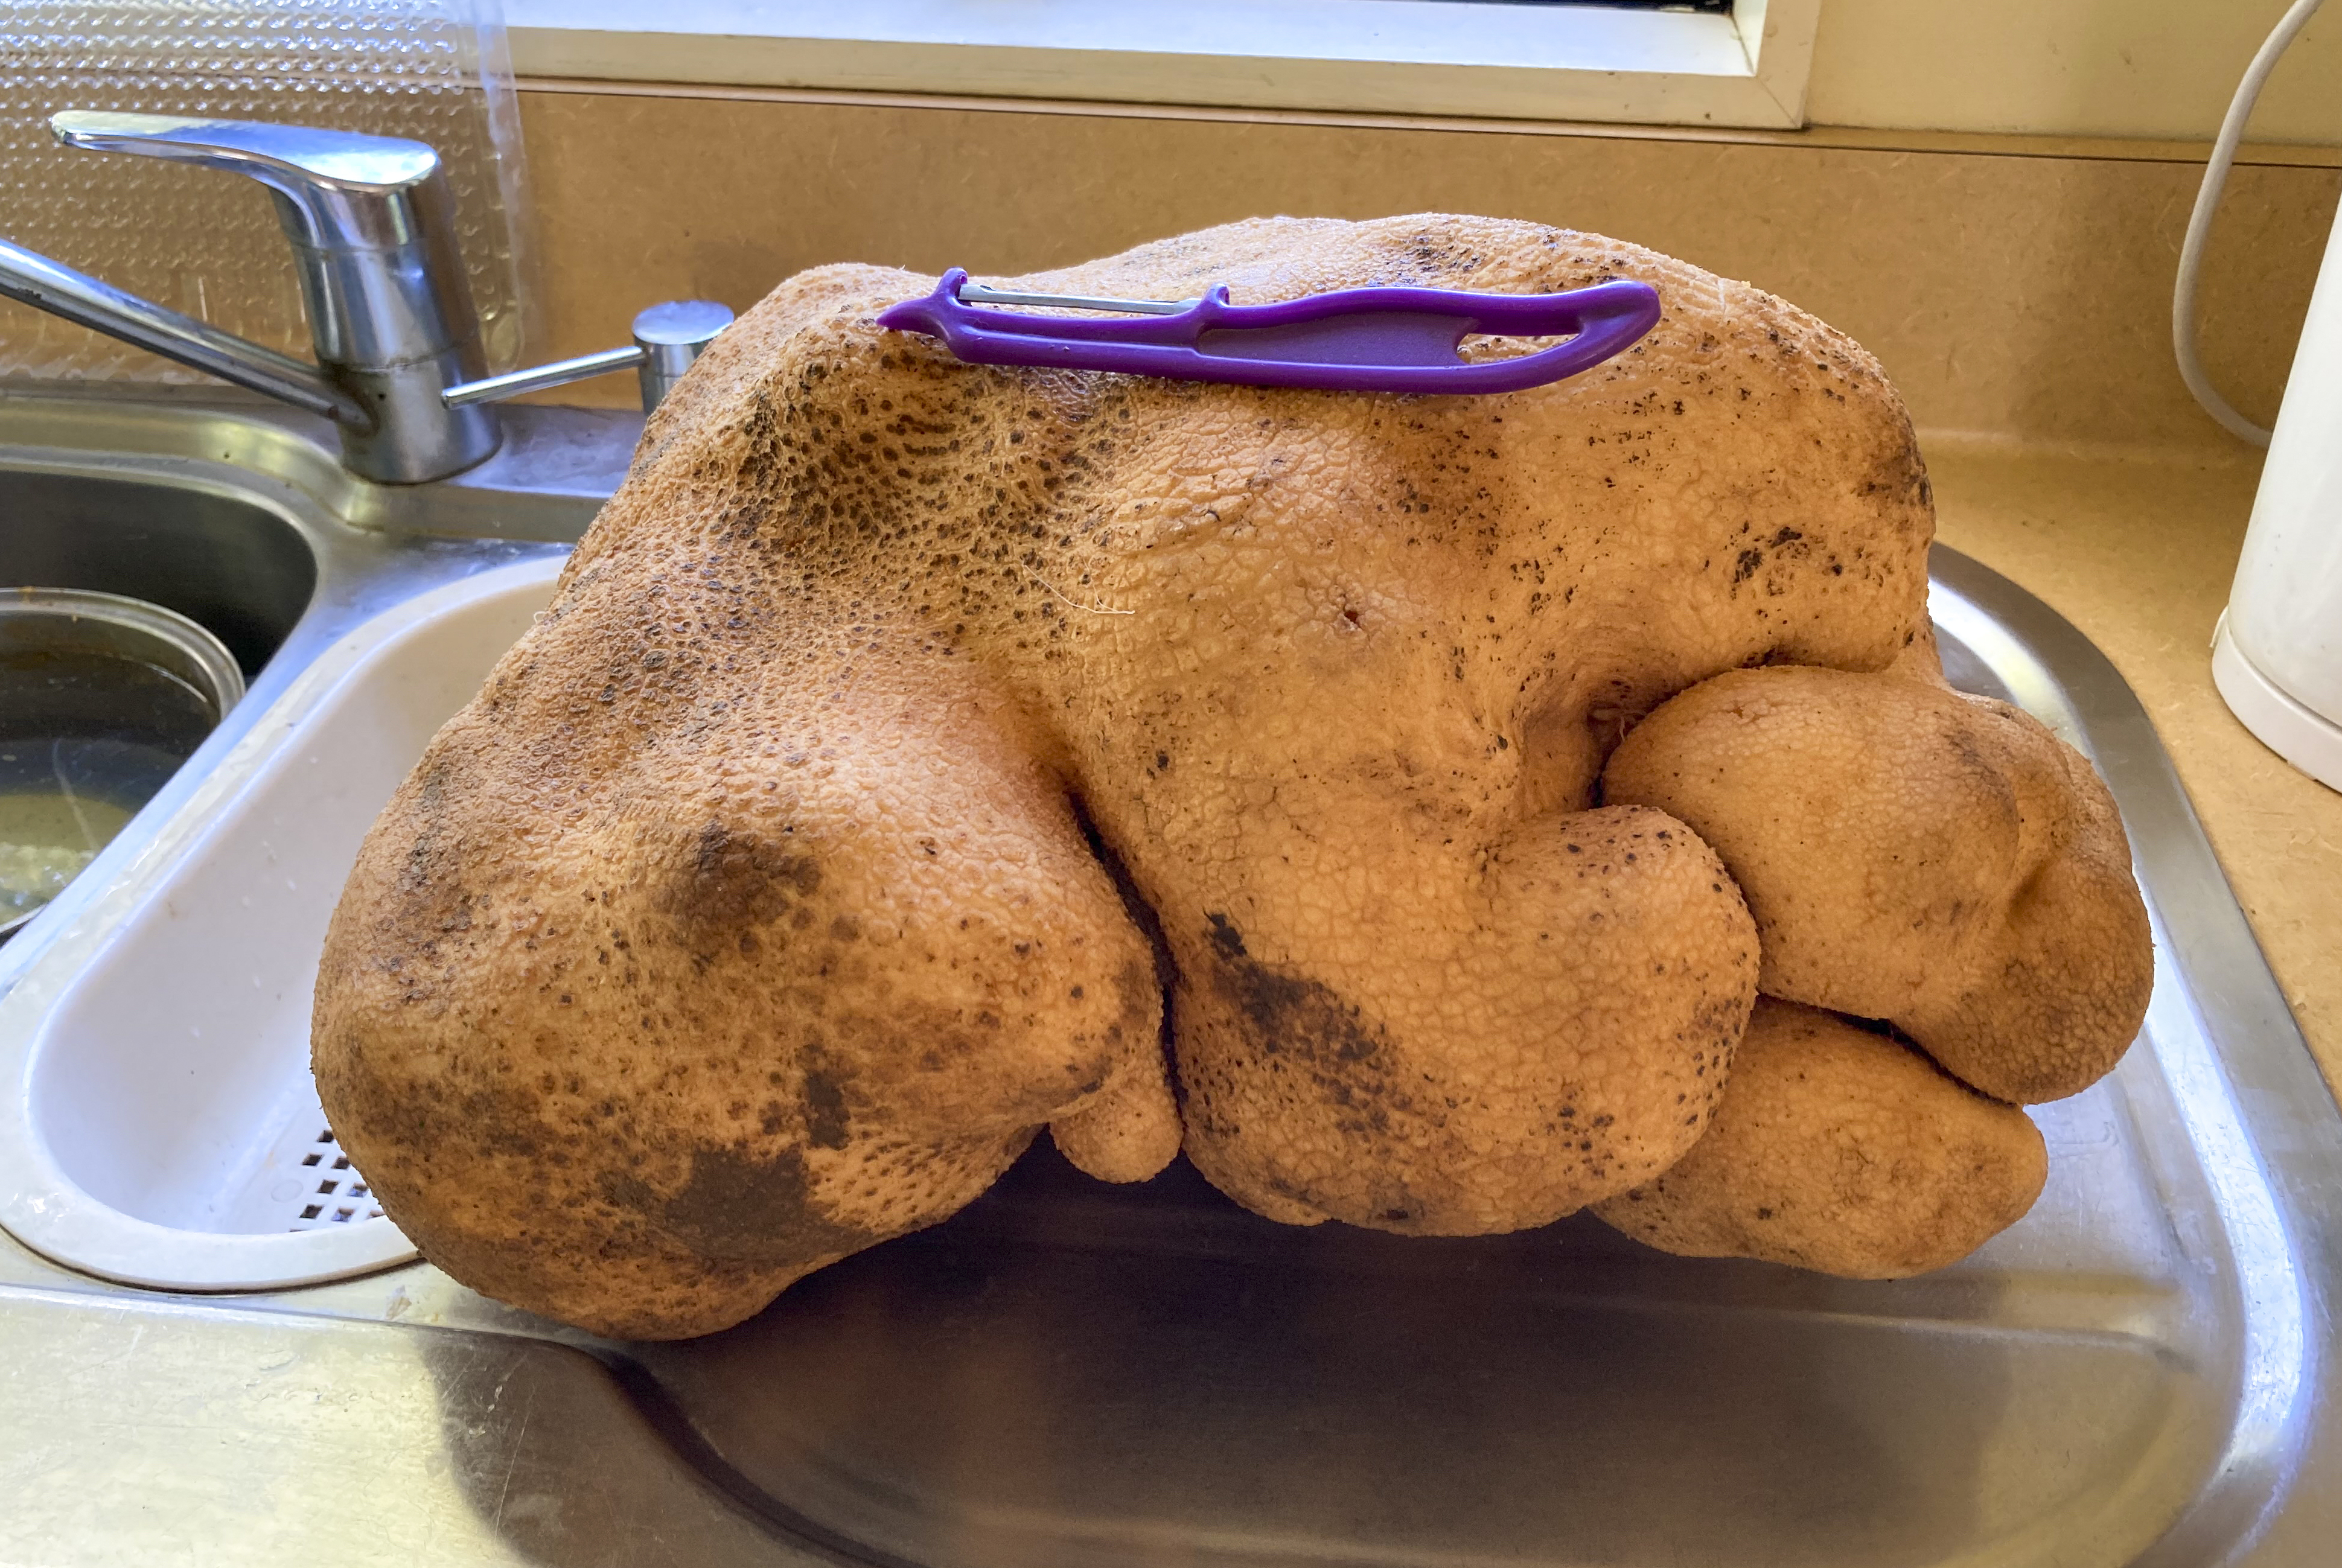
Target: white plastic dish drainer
164,1130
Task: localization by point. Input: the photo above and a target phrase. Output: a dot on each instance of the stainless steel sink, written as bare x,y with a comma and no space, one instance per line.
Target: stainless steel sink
1073,1374
238,517
241,570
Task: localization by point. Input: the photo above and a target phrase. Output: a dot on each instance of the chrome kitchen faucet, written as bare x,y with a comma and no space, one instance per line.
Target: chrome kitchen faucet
399,370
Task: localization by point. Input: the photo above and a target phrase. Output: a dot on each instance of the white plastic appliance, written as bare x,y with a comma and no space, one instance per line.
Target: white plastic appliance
2276,655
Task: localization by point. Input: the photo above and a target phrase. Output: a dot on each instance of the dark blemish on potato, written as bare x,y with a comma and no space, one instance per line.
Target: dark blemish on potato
1750,560
737,1210
406,1110
732,880
825,1113
1291,1014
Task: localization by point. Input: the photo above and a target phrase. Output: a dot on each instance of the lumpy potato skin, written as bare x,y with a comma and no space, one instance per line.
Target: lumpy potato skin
634,1024
1574,1079
755,911
1841,1150
1914,855
1367,655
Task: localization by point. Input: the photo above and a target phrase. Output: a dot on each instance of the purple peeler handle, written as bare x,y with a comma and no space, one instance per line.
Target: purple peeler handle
1351,340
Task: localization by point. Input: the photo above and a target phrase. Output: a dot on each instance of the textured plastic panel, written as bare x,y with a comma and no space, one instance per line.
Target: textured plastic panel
207,242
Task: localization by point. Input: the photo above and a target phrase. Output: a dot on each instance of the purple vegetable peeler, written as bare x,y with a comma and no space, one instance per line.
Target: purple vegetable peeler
1351,340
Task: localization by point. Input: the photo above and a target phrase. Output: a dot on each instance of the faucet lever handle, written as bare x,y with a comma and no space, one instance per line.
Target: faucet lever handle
372,221
667,339
340,189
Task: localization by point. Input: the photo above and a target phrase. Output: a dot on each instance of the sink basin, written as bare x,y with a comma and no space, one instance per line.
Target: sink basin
199,1350
241,570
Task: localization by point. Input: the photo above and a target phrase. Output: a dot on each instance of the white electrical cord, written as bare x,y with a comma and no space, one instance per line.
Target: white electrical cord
2200,225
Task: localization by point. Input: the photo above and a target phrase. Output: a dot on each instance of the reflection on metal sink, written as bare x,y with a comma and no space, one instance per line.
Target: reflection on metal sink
1066,1374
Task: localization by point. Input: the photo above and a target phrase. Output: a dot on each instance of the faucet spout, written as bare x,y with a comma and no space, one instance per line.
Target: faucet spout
50,286
371,221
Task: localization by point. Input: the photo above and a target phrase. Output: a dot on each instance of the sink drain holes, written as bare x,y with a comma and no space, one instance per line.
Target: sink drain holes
338,1196
301,1180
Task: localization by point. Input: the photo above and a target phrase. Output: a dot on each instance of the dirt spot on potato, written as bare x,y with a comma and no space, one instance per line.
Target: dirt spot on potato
1288,1014
737,1210
730,881
825,1115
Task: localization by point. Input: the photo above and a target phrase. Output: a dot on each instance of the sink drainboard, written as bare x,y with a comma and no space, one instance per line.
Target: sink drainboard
166,1131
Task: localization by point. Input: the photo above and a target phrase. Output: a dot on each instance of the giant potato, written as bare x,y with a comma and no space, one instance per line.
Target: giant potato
799,865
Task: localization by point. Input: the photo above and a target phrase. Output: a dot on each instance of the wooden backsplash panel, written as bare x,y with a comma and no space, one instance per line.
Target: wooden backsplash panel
2024,295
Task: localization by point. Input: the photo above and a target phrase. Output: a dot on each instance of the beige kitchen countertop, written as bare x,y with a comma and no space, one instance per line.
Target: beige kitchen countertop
2138,551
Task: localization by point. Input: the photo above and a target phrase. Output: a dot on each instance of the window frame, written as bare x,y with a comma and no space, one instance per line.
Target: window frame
1469,59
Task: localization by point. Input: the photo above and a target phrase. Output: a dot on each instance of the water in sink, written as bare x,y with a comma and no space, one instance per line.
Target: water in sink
87,738
46,837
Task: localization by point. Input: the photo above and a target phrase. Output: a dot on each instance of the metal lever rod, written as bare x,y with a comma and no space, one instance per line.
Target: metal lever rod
51,286
668,338
538,377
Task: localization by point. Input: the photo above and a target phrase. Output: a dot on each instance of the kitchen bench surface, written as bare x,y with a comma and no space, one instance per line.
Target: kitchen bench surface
2138,551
